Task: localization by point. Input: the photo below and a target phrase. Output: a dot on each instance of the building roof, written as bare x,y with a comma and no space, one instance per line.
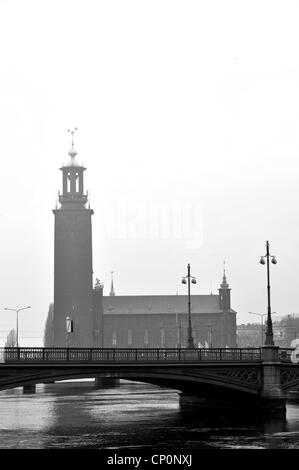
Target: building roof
72,162
160,304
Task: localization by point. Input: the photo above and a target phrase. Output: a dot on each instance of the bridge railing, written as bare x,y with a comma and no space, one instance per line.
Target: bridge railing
285,354
50,355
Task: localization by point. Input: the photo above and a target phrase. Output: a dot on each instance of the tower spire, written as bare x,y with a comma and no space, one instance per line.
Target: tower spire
224,284
73,152
224,293
112,293
72,131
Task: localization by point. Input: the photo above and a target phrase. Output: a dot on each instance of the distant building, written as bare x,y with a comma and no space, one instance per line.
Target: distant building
49,328
285,331
252,334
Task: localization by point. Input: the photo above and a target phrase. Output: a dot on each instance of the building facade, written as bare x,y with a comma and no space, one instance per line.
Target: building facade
253,334
157,321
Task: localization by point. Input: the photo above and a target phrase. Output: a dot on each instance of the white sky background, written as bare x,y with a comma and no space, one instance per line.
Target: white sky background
181,106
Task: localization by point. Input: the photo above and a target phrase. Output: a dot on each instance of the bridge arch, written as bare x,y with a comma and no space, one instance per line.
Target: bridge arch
289,378
175,379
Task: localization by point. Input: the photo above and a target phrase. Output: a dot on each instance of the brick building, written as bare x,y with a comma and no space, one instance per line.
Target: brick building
156,321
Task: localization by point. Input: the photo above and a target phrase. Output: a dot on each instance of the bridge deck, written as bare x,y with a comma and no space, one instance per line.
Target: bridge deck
136,355
91,355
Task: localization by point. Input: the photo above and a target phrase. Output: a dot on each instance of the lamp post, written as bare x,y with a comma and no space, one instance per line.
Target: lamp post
190,342
178,325
269,332
262,315
210,331
17,310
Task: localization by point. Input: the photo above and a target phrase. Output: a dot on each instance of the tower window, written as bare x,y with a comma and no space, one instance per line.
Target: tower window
162,332
77,182
146,338
68,179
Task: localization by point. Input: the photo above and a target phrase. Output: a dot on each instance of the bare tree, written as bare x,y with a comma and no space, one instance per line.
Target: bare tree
11,340
49,328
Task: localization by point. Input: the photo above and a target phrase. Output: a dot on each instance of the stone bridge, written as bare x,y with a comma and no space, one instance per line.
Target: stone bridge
250,377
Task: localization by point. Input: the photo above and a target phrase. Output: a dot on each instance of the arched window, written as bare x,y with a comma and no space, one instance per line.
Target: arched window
162,335
146,338
114,339
129,337
68,179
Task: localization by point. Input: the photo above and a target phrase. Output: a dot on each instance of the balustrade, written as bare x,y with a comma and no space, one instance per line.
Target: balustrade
87,355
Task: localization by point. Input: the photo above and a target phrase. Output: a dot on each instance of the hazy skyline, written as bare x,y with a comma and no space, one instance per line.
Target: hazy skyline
186,111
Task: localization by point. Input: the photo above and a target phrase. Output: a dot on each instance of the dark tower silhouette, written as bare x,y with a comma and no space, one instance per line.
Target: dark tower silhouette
73,260
229,317
224,295
112,292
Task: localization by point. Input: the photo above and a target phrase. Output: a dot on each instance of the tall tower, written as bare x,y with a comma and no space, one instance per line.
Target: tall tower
228,321
73,259
224,294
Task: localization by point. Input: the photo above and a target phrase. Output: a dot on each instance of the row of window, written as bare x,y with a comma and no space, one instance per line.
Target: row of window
208,341
130,338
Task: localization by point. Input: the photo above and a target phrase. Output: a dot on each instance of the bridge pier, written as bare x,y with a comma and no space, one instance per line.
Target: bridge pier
269,401
273,400
106,382
29,388
218,403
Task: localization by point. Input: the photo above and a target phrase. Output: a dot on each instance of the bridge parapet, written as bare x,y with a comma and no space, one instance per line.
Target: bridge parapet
285,354
53,355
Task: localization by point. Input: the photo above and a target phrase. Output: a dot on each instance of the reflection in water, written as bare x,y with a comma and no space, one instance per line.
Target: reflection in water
133,415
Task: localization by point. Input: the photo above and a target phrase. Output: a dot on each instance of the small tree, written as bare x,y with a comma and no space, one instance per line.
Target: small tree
49,328
11,340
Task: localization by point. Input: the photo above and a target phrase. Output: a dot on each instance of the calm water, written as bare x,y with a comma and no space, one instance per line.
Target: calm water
132,415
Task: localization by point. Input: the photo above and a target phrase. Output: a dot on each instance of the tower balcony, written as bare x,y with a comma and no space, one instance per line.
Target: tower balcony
73,198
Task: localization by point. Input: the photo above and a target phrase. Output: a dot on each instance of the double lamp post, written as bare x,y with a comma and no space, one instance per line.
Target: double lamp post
17,310
269,331
185,280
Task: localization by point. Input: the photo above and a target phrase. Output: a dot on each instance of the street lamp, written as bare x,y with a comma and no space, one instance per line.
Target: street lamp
262,315
210,331
17,310
190,342
269,332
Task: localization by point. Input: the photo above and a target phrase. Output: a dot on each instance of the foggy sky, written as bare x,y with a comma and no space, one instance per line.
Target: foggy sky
188,126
